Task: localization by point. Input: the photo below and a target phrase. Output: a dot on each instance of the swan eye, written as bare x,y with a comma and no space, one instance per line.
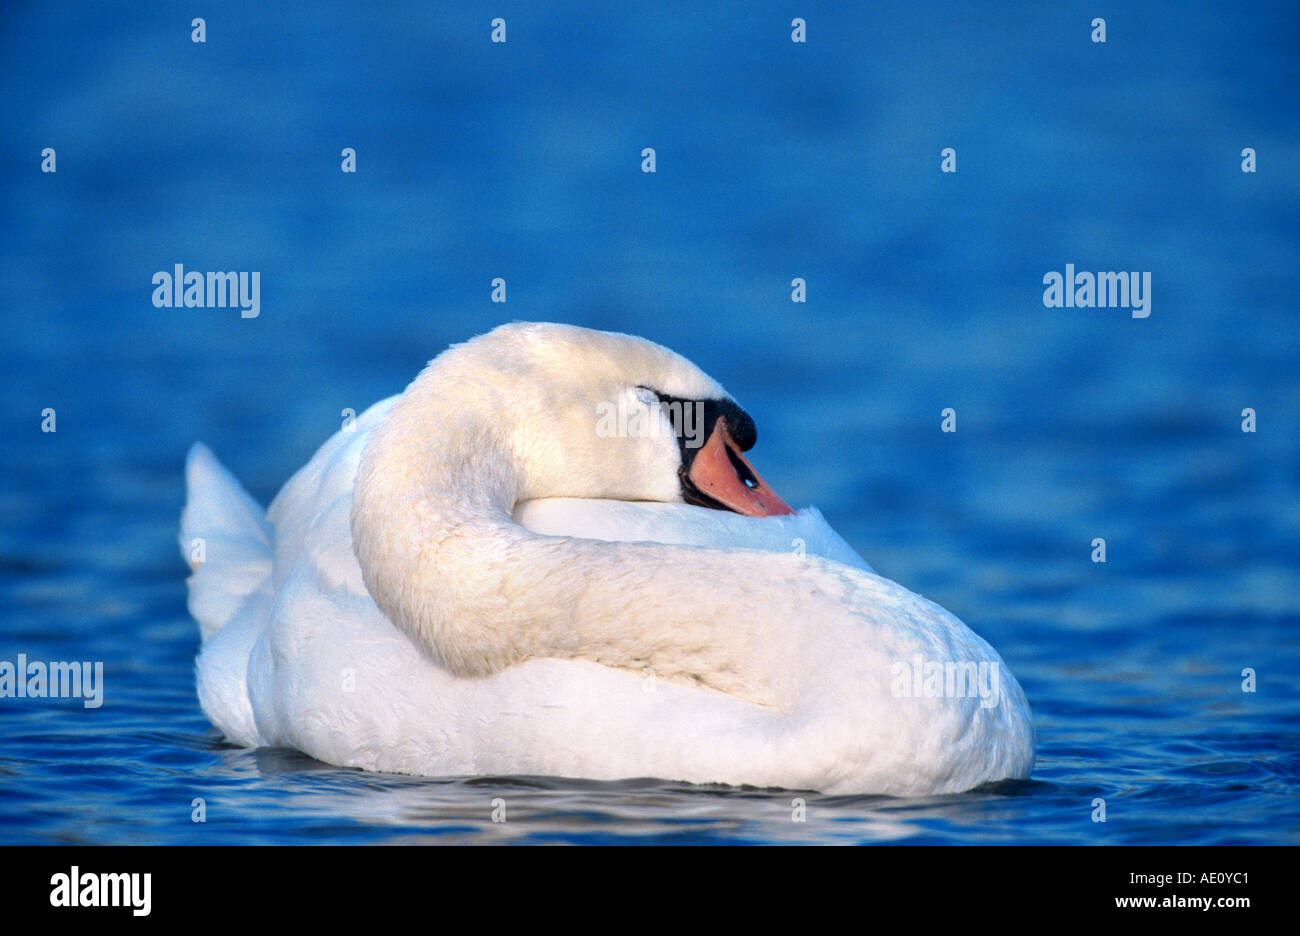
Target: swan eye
742,470
647,396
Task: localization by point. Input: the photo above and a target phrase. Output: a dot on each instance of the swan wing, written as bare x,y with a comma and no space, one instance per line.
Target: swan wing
804,533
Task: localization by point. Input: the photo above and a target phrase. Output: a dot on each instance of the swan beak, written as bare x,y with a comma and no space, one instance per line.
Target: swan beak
720,471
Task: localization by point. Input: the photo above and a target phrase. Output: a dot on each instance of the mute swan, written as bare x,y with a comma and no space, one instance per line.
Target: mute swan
477,577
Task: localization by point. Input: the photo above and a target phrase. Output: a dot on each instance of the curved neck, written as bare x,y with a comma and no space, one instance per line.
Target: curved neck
442,557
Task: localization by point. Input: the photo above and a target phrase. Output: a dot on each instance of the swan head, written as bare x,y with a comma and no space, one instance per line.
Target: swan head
592,414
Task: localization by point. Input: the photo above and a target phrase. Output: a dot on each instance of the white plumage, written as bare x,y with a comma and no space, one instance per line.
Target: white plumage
550,606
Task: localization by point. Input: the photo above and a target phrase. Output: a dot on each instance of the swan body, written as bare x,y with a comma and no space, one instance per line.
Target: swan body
471,581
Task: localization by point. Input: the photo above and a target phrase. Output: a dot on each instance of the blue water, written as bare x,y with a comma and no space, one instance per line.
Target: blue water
774,160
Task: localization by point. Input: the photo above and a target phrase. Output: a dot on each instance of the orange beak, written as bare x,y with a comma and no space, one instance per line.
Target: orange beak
722,473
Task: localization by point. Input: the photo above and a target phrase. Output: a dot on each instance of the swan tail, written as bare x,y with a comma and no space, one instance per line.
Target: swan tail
226,540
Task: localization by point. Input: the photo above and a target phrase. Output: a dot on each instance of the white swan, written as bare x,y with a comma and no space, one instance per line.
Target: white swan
480,578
